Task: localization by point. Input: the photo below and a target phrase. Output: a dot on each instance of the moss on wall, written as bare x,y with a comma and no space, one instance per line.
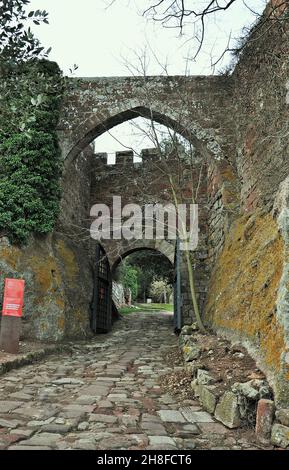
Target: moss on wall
69,261
244,285
58,287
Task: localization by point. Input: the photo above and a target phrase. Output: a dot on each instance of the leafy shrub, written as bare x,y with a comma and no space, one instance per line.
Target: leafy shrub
30,168
128,276
29,189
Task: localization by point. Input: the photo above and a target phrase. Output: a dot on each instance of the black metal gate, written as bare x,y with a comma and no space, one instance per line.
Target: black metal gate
177,291
101,305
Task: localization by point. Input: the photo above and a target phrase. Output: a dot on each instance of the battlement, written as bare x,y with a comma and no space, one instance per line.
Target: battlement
127,157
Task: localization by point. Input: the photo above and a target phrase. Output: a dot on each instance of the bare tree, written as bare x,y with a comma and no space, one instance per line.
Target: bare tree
194,19
174,153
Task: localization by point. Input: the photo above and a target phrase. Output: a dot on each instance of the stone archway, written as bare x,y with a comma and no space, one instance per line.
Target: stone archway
234,121
192,106
159,253
125,249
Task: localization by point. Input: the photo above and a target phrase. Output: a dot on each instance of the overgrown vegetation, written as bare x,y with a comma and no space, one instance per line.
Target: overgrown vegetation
128,276
17,42
141,269
30,96
160,290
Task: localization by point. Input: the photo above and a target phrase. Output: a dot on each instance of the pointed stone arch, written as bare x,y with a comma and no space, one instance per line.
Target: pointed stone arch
197,108
192,106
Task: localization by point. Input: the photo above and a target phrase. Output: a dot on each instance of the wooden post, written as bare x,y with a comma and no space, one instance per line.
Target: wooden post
10,334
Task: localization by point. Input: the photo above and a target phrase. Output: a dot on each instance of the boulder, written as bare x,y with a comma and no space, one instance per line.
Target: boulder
189,329
186,330
207,397
186,340
204,378
195,387
191,352
280,436
265,392
227,410
246,390
263,388
193,367
283,416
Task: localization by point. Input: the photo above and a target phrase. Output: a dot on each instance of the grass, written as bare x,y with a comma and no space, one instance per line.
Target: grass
146,308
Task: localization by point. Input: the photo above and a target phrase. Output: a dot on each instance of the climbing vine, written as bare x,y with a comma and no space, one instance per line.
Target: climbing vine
30,97
31,90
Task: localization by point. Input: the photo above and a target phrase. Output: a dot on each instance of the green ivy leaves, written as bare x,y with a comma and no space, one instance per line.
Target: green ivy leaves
30,167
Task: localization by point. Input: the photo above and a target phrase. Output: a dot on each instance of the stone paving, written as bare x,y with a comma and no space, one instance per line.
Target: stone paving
106,395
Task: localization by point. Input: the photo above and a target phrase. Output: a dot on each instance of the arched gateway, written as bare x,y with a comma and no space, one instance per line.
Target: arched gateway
59,269
192,106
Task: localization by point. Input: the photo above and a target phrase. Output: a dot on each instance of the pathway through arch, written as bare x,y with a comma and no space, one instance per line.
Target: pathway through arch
108,395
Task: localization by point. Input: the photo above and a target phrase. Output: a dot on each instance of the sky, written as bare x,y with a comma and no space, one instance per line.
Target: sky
105,40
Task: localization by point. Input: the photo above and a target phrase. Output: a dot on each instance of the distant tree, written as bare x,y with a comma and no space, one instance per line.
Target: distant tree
149,265
153,264
128,277
160,290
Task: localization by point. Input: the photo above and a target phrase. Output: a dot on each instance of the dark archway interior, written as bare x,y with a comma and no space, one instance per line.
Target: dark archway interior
160,255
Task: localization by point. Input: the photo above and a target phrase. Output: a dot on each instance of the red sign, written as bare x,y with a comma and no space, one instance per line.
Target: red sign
13,297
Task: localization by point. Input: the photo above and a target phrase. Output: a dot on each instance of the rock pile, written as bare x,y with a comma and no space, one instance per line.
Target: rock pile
245,403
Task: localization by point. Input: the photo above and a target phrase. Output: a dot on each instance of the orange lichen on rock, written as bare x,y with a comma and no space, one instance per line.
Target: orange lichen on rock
244,285
61,323
60,302
69,262
43,269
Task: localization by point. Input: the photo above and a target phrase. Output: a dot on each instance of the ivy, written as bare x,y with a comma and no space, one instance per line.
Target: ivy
31,90
30,168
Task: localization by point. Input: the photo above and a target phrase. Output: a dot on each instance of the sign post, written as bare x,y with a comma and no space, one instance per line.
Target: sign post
11,315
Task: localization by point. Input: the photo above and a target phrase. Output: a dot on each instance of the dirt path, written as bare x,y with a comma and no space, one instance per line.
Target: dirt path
107,395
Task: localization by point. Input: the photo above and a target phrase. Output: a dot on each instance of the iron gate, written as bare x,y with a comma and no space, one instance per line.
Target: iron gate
177,291
101,304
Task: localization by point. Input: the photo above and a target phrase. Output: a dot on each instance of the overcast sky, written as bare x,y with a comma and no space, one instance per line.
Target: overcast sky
105,41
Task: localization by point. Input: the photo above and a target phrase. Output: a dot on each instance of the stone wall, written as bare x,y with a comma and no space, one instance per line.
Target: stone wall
75,184
248,292
261,114
223,205
57,270
193,106
58,284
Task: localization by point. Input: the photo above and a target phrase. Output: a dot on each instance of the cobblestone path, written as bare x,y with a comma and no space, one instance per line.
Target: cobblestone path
106,395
